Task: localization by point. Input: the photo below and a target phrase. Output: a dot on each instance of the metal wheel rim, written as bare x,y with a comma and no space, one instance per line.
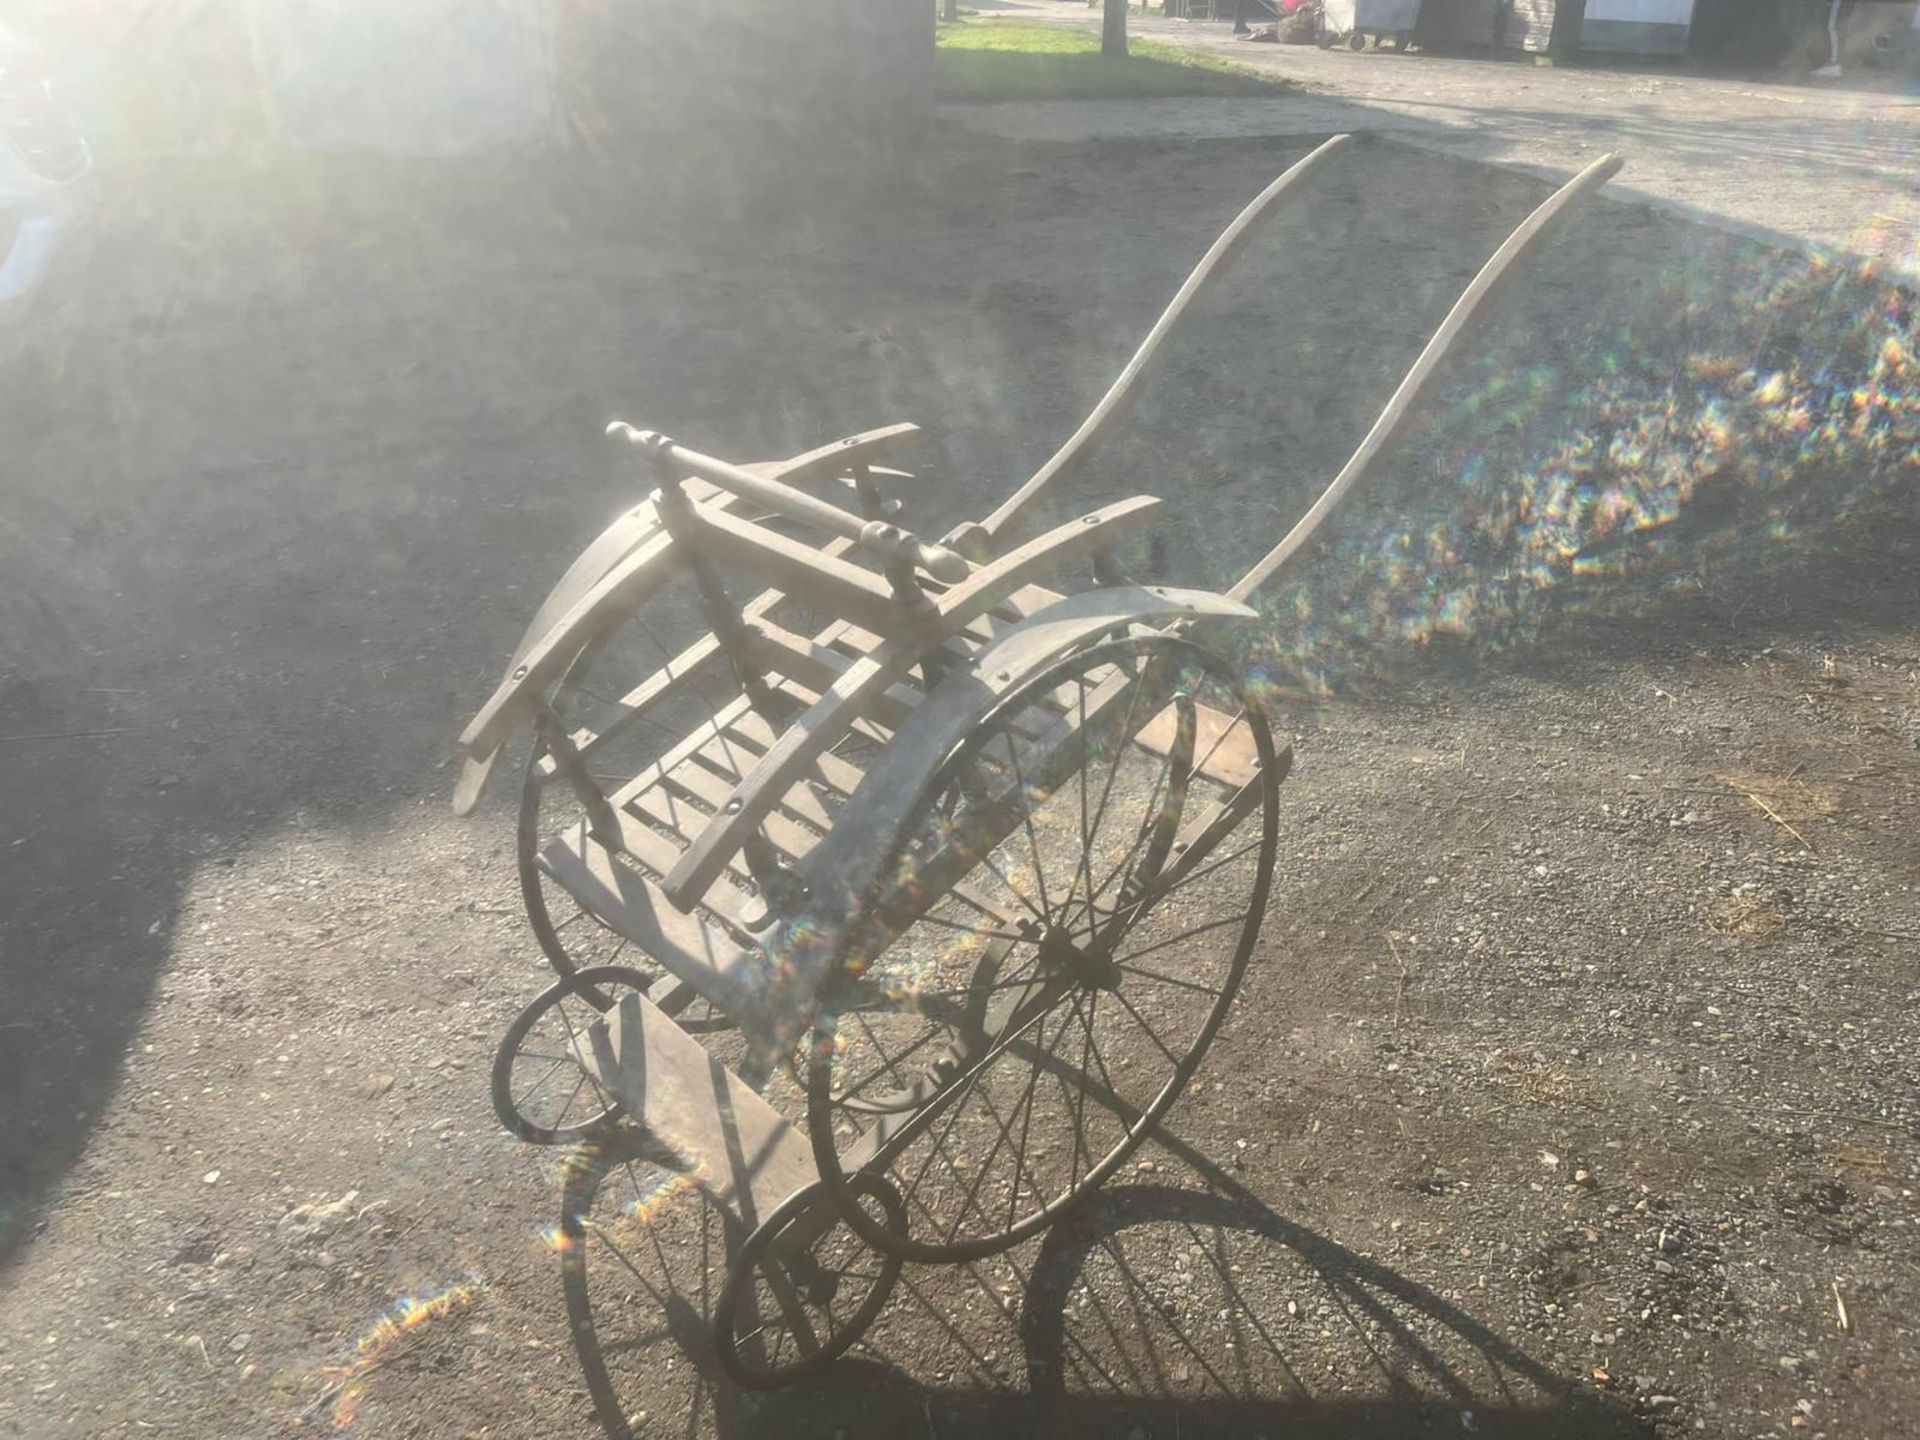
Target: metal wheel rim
820,1103
842,1340
584,985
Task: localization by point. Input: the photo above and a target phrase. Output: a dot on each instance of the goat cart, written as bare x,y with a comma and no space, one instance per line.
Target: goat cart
933,884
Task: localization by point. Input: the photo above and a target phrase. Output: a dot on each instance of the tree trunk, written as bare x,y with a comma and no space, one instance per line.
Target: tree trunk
951,12
1113,29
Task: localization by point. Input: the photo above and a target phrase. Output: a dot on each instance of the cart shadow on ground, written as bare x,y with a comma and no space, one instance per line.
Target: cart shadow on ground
1158,1310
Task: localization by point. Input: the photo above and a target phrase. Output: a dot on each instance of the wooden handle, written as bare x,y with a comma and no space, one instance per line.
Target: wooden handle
888,542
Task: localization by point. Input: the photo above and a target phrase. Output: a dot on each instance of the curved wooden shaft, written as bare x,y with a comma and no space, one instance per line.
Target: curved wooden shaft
1126,386
1419,380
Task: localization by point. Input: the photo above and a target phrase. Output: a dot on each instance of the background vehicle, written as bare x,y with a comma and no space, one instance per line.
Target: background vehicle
47,187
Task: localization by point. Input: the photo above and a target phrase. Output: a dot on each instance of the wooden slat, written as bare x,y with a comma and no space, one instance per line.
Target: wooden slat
731,976
839,775
730,902
741,1150
1231,761
662,685
730,763
817,666
791,838
836,458
823,726
715,727
804,572
626,563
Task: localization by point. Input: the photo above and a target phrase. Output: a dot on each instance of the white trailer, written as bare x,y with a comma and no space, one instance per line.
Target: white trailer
1354,20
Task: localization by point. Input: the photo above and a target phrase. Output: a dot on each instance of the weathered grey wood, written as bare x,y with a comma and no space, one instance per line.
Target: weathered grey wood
1227,757
802,571
729,975
1426,369
714,727
832,460
662,685
626,586
728,898
729,765
838,775
817,666
840,870
711,788
631,529
885,541
822,726
1127,385
740,1149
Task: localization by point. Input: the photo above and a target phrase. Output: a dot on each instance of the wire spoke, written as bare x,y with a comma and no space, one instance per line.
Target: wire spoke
1067,904
1141,1021
1093,1043
967,1086
1185,935
1079,1102
887,1065
1020,1154
572,1095
986,859
1160,892
520,1102
1140,837
1006,1134
1113,774
1220,739
985,931
1145,973
607,1240
1026,818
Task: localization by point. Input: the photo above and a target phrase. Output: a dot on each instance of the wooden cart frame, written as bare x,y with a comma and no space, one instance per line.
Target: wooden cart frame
901,864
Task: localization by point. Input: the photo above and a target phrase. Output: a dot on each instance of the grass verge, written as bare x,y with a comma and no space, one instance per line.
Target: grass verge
989,59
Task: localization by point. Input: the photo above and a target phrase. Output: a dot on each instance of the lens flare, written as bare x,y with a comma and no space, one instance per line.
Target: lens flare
346,1384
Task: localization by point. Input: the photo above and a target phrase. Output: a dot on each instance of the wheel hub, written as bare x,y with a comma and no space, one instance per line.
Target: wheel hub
1091,968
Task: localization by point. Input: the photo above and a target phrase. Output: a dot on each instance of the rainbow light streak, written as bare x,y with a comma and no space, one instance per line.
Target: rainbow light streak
347,1383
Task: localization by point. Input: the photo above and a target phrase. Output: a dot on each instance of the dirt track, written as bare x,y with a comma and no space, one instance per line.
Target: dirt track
1775,154
1598,861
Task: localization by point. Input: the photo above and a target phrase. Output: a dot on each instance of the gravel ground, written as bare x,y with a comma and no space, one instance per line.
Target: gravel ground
1571,1091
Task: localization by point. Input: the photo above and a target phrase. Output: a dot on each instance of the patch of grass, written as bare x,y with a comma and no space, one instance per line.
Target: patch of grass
990,59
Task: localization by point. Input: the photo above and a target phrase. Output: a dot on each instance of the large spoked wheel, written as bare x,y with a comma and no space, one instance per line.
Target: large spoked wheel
794,1302
541,1092
1054,939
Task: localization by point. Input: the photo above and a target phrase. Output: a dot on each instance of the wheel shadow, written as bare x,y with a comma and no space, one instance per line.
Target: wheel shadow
1157,1309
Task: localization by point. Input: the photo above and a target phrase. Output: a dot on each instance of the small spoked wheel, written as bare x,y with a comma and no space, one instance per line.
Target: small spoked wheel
795,1299
1054,938
541,1092
1357,41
